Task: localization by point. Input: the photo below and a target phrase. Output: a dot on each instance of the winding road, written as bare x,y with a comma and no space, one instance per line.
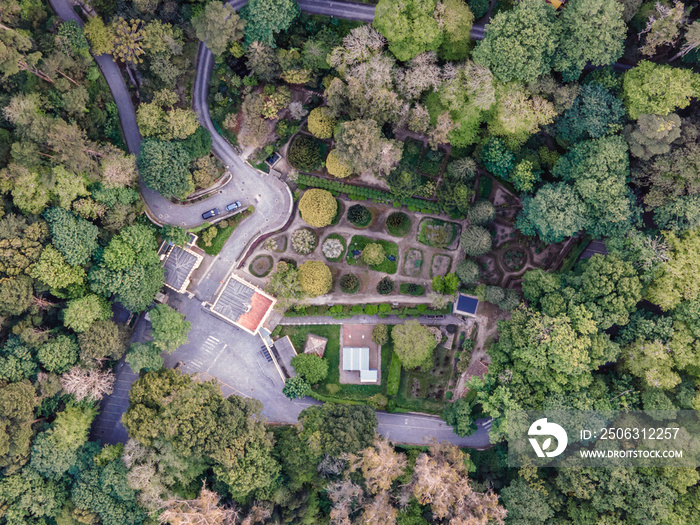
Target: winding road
272,200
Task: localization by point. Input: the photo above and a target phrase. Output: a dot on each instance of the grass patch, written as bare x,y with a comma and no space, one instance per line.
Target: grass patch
342,241
412,151
358,243
430,386
411,289
223,234
485,184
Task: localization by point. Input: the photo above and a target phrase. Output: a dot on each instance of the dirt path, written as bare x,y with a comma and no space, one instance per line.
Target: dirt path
487,319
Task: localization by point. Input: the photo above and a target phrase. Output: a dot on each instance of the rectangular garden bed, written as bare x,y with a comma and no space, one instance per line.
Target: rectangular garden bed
439,234
391,249
431,387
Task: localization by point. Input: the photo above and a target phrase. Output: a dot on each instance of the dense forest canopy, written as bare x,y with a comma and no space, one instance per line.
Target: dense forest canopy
588,112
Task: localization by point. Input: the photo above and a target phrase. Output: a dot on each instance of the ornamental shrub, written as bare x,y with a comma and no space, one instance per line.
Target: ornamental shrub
398,224
481,213
303,241
476,240
494,294
380,334
349,283
321,122
315,278
318,207
468,271
373,254
337,166
304,153
385,286
359,215
332,248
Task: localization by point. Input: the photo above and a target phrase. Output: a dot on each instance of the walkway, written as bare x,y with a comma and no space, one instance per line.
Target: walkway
371,319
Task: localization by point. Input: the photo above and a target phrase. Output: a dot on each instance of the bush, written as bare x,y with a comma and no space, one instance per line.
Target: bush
336,166
468,271
318,207
385,286
304,241
315,278
311,367
321,122
398,224
411,289
476,240
332,248
394,377
359,215
494,294
349,283
304,153
296,387
371,309
481,213
511,300
478,7
373,254
380,334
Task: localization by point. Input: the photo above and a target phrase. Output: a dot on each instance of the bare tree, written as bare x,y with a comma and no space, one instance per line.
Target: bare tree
380,465
346,497
88,384
204,510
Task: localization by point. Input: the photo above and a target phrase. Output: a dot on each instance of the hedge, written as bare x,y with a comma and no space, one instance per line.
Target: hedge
361,193
340,311
394,378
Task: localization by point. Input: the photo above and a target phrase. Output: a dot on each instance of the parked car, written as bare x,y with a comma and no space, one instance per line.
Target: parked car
211,213
233,206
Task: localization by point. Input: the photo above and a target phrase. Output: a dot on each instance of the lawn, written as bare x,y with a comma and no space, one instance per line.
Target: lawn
297,334
430,386
358,243
222,234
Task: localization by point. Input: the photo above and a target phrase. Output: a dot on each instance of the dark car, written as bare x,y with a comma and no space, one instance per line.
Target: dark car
211,213
233,206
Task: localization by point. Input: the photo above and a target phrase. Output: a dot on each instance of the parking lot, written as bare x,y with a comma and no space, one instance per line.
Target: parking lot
218,350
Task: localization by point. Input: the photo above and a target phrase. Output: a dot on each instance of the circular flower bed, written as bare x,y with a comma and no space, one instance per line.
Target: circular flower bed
261,265
304,241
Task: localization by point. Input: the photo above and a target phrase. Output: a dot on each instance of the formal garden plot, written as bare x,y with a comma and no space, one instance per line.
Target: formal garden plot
411,289
333,247
428,390
440,234
276,244
413,262
440,265
398,224
391,253
261,265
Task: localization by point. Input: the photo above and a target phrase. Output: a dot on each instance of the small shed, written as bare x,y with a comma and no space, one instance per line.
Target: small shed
315,344
356,359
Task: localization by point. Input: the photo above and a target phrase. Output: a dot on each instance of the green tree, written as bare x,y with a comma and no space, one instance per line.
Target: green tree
336,429
21,244
481,213
554,213
380,334
520,43
265,18
526,505
53,270
591,31
30,498
321,122
17,402
311,367
104,339
409,26
413,343
675,280
653,135
456,20
658,88
459,416
170,330
679,215
468,271
361,145
59,354
599,170
497,159
16,361
218,25
164,168
296,387
174,234
404,183
16,295
284,284
80,314
594,114
475,240
373,254
74,237
144,356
